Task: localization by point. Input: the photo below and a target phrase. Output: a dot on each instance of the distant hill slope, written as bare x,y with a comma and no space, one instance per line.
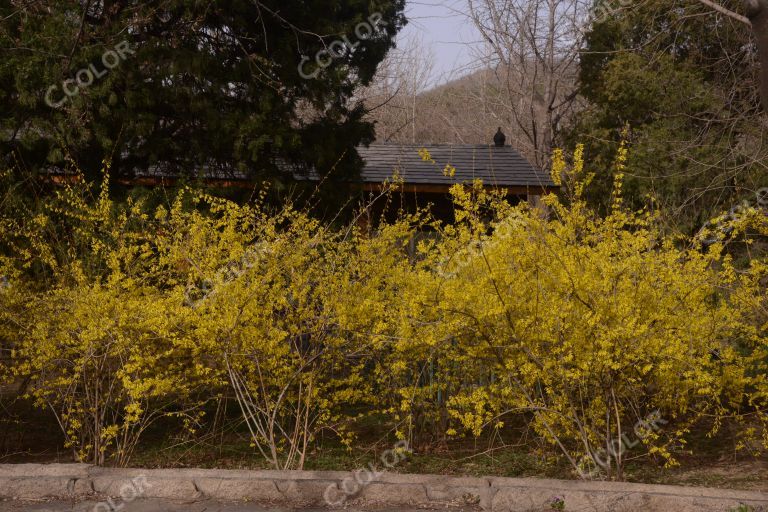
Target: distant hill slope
467,110
460,111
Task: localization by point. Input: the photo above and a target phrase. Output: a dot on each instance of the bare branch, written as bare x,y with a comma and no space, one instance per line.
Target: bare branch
722,10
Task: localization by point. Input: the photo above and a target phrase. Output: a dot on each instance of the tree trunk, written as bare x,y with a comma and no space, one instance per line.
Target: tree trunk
757,12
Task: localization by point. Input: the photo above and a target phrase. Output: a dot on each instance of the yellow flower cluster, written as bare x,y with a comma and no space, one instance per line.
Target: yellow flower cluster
578,325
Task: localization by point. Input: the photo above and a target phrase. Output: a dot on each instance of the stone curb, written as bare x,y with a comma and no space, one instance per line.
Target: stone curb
362,488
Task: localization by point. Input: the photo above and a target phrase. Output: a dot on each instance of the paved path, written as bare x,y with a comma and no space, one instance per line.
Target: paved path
163,506
204,490
136,506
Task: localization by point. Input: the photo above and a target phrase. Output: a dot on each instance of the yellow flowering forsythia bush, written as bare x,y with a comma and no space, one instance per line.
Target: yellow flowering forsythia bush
601,334
100,339
132,316
591,326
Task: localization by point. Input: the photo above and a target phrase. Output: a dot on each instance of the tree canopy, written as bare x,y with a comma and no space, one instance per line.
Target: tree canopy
684,81
182,85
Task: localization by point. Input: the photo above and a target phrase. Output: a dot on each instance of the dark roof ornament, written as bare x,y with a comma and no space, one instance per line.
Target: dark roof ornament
499,139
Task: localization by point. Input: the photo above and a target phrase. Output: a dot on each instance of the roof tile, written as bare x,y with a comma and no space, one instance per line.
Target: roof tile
500,166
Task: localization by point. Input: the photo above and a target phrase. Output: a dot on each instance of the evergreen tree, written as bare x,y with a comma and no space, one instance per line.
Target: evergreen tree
231,86
684,80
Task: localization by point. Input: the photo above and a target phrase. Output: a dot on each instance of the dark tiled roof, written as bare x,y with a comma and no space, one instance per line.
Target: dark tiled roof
496,166
499,166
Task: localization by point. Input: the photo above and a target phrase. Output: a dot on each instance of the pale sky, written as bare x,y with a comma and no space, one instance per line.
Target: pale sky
443,27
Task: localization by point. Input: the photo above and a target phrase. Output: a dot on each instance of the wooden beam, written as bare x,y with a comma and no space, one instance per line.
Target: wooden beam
425,188
444,189
166,181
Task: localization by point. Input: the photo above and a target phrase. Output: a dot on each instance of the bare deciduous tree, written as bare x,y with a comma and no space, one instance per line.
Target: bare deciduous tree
757,19
757,12
533,46
393,97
